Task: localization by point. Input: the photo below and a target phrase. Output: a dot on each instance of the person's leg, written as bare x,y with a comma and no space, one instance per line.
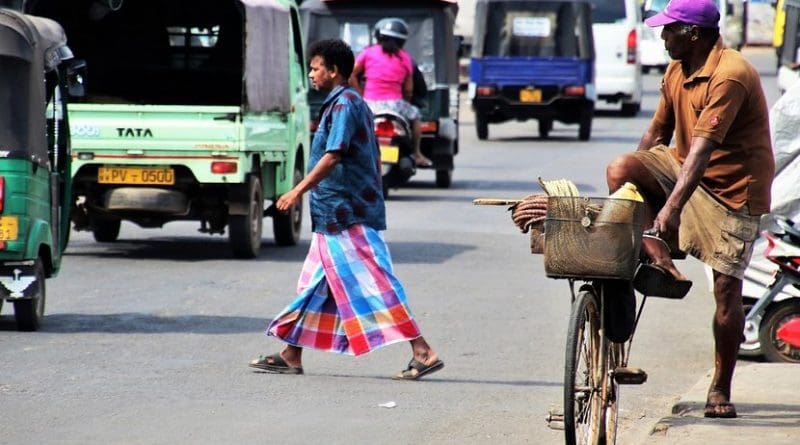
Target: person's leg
293,356
628,168
422,351
416,138
728,326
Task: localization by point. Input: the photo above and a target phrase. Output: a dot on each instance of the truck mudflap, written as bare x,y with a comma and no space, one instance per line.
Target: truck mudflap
18,280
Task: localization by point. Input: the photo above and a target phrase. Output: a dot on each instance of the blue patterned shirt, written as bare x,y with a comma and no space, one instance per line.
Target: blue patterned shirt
352,193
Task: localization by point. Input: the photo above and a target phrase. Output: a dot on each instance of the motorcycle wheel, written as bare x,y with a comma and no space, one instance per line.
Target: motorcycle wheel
773,348
752,349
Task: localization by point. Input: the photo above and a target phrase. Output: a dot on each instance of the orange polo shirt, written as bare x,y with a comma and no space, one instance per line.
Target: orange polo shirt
723,102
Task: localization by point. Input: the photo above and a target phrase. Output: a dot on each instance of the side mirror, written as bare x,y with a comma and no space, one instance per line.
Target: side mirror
76,77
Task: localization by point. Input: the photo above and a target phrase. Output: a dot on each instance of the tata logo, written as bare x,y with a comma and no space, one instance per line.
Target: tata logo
134,132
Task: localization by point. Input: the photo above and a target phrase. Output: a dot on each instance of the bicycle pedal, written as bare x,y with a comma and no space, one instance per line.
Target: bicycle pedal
630,376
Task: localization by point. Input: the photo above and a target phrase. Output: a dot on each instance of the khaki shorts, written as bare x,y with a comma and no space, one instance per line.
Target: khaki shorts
709,231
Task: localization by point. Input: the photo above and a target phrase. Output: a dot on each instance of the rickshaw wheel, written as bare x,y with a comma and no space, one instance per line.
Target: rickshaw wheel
585,127
286,226
444,178
245,230
29,312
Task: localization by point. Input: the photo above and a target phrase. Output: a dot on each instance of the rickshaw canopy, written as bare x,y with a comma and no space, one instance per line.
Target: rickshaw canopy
29,48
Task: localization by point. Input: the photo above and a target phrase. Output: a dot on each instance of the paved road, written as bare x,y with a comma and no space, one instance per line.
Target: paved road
146,340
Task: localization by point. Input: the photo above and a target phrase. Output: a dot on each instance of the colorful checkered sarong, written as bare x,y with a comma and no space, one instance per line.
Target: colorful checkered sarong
349,300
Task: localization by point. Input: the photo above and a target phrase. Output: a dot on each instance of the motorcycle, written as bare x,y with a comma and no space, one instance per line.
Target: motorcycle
393,132
772,323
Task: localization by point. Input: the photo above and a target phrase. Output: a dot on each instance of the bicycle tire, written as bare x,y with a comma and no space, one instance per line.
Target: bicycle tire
584,373
615,354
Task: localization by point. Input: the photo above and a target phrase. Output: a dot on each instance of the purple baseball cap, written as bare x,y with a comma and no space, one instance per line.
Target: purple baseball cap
703,13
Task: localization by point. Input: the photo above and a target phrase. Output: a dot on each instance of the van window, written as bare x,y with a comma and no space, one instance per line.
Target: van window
608,11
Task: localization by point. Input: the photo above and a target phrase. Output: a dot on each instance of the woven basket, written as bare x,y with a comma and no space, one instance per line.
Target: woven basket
592,237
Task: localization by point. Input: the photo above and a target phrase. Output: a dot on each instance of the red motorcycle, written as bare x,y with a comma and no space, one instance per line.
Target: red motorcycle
772,324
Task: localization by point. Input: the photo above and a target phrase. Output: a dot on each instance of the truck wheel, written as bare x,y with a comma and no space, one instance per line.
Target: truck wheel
29,312
245,230
545,125
482,126
444,178
286,226
105,230
585,126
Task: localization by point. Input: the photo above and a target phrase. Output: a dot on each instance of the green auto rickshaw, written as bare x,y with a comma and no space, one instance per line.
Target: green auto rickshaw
38,73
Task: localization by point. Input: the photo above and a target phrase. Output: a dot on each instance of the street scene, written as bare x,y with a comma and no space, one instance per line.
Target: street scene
154,316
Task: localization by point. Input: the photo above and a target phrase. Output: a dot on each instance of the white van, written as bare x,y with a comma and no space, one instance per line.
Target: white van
618,70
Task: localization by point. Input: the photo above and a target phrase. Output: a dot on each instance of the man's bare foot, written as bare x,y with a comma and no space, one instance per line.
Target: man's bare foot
718,405
659,255
421,160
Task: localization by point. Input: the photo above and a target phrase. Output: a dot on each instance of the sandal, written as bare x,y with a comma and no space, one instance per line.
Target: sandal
417,369
275,364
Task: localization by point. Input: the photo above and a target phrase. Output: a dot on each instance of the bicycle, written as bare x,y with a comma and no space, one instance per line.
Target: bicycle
577,234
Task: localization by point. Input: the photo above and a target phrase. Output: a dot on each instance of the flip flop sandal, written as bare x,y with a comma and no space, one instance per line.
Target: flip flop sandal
721,410
275,364
417,369
655,281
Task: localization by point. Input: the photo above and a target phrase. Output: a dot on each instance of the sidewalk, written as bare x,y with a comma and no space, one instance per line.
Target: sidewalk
767,398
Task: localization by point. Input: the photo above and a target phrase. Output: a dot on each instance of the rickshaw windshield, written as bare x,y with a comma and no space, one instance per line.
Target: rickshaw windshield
14,101
356,30
534,29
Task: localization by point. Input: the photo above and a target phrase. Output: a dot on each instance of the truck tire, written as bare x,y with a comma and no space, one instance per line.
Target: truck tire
481,126
105,230
287,226
245,230
29,312
545,125
585,126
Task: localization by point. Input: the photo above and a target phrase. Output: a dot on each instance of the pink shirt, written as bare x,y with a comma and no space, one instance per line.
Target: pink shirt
384,74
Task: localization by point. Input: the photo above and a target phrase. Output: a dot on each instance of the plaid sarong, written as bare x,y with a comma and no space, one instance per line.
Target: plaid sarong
349,300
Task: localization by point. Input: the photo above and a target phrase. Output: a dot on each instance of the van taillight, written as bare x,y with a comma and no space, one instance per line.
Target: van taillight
631,47
575,90
2,193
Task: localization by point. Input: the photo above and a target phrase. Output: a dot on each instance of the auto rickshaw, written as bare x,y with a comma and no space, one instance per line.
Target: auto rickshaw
431,44
38,74
533,59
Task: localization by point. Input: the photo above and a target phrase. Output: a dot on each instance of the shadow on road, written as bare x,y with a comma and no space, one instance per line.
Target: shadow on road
138,323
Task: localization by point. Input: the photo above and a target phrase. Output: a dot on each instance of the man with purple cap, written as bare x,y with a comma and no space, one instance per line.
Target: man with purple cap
706,189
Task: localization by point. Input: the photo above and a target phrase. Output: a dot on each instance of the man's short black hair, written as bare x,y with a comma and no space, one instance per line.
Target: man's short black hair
334,52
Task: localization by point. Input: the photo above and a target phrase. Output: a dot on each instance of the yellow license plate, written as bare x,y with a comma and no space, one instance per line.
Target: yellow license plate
9,228
390,154
136,175
530,95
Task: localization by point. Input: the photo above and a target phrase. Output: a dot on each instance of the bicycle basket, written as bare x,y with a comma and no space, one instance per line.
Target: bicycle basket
592,237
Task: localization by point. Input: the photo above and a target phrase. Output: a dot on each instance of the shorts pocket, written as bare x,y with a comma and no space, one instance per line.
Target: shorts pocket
737,233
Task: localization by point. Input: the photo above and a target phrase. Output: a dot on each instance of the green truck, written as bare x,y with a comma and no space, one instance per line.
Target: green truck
195,110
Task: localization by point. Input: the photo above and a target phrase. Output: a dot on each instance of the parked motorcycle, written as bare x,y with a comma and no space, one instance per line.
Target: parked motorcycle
772,324
395,139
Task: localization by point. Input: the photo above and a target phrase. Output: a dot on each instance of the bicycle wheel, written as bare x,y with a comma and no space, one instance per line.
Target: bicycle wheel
584,372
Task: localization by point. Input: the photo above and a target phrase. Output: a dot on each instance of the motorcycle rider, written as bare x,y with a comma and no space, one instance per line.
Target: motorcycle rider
389,78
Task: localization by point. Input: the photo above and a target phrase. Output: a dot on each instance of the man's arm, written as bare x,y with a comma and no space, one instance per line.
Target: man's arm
656,134
358,70
317,174
668,219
